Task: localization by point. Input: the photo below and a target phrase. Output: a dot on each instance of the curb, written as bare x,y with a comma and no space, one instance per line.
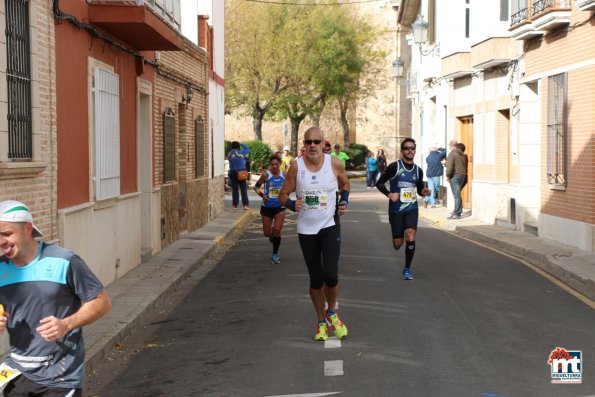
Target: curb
115,332
544,262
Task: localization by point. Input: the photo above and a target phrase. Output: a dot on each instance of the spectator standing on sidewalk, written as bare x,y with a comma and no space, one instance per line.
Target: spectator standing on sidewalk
434,172
456,174
237,162
372,168
406,182
273,214
318,179
48,294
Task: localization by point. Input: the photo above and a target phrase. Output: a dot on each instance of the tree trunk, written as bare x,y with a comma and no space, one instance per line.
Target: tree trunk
258,113
257,124
296,120
344,105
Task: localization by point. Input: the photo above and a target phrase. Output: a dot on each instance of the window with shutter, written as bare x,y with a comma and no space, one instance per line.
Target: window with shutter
199,129
169,146
107,134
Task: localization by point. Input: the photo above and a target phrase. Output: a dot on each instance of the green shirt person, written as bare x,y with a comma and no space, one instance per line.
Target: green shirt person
339,154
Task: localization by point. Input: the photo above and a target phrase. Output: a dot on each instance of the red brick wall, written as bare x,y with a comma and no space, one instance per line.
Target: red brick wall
37,190
570,50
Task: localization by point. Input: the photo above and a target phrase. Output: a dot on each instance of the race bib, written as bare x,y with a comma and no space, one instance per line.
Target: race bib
408,194
7,374
314,199
274,193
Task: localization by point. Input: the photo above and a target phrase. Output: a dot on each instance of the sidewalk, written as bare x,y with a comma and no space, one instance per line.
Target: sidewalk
135,294
572,266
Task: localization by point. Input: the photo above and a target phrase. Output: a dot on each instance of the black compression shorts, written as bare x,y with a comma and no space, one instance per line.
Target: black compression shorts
270,212
401,221
321,252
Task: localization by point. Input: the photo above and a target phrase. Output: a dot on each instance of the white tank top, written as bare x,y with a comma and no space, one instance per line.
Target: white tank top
319,191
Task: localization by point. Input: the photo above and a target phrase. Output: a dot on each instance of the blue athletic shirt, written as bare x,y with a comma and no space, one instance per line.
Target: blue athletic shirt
53,284
405,180
271,188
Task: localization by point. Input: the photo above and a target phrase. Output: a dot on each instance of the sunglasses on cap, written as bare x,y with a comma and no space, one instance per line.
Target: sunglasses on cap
312,141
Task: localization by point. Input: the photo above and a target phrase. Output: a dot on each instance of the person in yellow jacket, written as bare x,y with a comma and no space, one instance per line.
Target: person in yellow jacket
286,159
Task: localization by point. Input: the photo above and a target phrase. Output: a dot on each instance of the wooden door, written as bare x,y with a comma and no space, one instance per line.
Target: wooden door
466,124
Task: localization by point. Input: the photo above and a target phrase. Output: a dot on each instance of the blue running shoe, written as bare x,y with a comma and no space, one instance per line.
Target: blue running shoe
275,259
407,275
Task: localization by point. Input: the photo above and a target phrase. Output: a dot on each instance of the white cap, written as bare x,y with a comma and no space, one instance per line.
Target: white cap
286,148
15,211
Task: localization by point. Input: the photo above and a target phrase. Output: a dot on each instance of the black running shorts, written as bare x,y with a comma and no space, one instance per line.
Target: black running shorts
401,221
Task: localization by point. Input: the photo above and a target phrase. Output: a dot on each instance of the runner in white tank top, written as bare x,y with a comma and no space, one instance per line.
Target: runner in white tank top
318,189
316,177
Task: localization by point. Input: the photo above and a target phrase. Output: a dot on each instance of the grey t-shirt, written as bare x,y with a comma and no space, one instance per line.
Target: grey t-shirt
54,284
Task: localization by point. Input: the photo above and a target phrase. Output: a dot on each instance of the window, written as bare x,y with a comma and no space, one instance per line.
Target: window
556,130
503,10
107,134
169,146
18,79
199,130
467,19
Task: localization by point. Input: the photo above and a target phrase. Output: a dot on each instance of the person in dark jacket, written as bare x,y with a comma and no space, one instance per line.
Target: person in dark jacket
237,162
456,174
434,172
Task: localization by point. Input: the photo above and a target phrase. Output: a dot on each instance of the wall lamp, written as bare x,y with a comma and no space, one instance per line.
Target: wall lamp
420,37
186,98
398,68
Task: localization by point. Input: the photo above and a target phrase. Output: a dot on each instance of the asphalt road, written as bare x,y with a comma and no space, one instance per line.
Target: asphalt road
472,323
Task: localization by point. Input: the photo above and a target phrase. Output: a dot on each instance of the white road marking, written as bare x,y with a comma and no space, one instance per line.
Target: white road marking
332,343
333,368
309,395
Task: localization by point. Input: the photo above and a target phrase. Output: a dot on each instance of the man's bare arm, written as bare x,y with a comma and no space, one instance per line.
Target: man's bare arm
289,184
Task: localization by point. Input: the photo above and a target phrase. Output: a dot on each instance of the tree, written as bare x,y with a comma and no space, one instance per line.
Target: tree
253,74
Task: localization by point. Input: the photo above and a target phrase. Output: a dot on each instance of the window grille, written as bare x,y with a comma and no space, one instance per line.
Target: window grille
169,146
107,134
18,78
199,129
557,101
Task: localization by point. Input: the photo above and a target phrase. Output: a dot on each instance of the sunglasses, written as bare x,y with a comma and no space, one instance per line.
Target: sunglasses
408,148
312,141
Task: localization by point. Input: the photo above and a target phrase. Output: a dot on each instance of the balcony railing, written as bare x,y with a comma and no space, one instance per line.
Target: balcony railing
519,17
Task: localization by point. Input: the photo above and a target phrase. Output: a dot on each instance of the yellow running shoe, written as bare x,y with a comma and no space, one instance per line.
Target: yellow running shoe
339,328
321,332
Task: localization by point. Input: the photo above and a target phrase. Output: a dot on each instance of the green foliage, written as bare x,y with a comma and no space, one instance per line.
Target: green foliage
259,155
227,146
357,154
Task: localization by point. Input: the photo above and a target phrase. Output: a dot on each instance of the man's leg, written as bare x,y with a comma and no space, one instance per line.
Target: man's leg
312,256
455,184
235,194
431,199
244,190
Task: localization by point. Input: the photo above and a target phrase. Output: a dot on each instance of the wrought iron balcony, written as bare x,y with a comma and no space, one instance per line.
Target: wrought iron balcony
538,17
586,5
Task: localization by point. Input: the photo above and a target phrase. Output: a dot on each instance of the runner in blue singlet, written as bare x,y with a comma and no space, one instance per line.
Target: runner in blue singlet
406,182
273,214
